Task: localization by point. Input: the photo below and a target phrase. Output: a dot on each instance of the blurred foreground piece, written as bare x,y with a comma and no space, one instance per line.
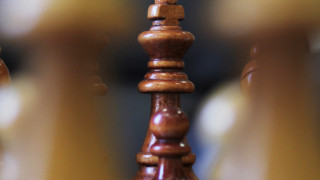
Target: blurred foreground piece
165,144
280,139
78,151
57,134
4,73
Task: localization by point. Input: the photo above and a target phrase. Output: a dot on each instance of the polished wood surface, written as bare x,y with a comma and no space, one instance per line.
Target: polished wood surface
166,44
170,125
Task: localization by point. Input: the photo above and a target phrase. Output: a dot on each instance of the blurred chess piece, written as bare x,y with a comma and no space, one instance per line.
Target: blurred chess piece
217,121
281,127
4,73
55,133
280,137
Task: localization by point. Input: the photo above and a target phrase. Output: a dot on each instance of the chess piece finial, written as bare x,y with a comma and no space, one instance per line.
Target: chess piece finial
4,73
166,44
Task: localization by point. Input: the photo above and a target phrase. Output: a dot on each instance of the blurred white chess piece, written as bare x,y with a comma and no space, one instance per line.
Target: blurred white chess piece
218,120
49,127
280,139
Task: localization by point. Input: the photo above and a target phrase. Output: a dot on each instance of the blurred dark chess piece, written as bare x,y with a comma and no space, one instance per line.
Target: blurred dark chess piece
166,44
4,73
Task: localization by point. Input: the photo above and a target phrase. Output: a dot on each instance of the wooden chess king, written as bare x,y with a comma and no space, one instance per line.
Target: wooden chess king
165,154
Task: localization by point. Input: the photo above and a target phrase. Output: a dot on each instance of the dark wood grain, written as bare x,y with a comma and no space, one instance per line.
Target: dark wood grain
166,44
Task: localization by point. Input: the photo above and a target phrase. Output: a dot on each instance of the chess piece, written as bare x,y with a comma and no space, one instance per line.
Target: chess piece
217,121
166,45
57,134
170,125
280,126
72,134
69,125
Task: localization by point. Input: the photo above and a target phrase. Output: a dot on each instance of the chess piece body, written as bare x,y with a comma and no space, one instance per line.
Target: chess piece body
166,44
